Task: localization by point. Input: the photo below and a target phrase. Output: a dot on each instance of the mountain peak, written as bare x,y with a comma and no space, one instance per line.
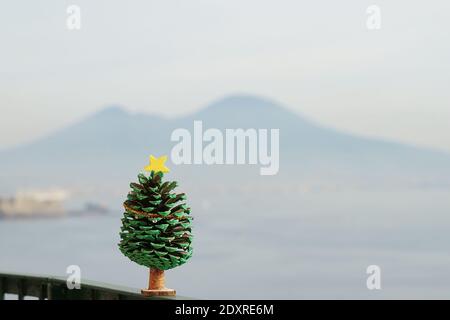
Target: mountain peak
248,110
248,101
112,111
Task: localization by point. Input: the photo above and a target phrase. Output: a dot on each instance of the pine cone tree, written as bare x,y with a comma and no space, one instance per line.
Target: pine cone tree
156,227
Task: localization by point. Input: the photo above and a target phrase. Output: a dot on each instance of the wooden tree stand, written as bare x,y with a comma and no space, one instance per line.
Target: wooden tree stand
156,285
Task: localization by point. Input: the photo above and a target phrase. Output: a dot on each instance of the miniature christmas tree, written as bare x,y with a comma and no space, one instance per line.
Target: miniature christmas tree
156,227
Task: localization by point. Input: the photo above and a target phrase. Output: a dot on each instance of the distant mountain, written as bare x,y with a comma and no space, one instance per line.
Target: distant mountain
113,144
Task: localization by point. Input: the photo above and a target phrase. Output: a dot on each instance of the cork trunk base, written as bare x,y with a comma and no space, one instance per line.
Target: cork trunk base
158,292
156,285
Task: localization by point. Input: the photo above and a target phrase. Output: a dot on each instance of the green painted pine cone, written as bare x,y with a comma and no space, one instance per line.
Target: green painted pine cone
156,227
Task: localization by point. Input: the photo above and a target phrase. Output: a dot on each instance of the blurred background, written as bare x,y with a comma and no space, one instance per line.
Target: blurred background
358,90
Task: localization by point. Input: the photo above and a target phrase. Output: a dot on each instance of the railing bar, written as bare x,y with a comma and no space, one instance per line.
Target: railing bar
49,288
2,288
20,289
49,291
94,294
42,291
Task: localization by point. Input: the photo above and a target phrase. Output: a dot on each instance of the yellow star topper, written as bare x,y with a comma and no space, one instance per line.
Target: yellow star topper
157,164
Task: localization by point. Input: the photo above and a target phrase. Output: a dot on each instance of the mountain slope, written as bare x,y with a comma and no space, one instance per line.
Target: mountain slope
113,143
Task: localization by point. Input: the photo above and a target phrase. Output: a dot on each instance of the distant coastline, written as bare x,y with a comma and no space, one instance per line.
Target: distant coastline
43,204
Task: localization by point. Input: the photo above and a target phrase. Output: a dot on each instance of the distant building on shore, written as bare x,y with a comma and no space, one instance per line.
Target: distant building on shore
34,204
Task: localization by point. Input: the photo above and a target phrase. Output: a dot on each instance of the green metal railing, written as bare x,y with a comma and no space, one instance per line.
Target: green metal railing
55,288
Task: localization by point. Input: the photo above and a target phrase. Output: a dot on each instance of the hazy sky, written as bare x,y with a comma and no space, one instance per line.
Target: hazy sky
173,57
